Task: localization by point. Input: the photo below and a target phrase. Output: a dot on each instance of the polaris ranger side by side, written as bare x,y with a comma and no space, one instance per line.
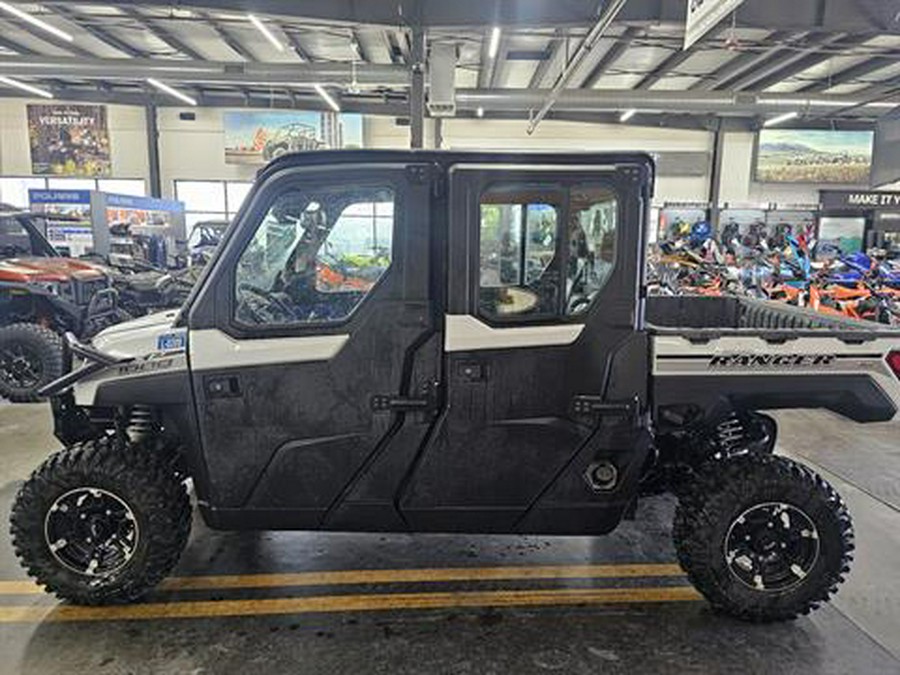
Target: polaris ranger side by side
451,342
42,296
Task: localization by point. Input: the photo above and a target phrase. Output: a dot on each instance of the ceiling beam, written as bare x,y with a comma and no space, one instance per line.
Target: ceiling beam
806,59
675,59
86,24
556,43
228,38
826,15
610,56
597,31
851,74
49,38
655,100
207,72
161,33
741,62
14,46
296,42
783,61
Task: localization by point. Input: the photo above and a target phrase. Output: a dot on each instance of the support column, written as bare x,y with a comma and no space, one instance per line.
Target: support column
417,88
715,176
153,150
438,133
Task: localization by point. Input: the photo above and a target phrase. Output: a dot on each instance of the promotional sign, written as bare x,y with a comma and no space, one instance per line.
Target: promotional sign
886,162
141,229
68,140
855,200
813,156
702,15
257,137
68,219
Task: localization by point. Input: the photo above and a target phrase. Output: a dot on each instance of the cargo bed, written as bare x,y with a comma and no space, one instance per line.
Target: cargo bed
740,353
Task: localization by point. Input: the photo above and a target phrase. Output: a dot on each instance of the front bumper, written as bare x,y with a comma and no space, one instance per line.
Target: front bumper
92,361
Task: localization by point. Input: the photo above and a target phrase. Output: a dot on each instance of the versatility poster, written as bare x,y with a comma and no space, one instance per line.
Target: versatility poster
68,140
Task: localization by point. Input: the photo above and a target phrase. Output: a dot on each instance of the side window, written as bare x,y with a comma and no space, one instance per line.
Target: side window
315,256
593,212
519,267
544,250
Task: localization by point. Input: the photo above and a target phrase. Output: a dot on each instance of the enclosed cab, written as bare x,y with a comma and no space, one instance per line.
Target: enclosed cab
446,342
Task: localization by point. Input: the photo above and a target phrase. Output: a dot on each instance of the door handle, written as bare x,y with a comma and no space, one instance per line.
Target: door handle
222,387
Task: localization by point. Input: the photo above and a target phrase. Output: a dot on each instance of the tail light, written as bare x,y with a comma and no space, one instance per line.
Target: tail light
893,360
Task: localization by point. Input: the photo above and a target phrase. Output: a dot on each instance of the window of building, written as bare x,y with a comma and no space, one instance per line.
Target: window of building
545,250
211,199
315,256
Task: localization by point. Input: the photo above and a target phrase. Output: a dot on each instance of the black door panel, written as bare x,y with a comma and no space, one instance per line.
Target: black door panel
298,437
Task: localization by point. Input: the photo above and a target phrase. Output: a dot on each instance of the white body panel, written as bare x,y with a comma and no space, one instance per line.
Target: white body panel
676,356
211,348
466,333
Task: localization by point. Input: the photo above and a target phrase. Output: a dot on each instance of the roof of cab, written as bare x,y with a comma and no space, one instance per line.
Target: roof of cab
447,158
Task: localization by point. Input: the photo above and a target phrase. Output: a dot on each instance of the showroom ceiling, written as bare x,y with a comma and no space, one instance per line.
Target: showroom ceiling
828,61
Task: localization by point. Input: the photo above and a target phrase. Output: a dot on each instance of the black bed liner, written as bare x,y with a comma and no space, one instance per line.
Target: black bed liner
702,317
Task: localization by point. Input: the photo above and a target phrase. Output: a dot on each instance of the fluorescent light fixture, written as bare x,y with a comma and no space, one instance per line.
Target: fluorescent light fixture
328,98
26,87
172,92
778,119
261,27
627,115
479,112
34,21
494,44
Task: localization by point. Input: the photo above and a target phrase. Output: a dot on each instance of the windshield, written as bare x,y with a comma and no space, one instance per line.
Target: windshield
20,238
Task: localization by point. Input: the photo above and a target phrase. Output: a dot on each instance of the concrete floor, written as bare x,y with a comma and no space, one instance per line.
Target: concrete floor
302,624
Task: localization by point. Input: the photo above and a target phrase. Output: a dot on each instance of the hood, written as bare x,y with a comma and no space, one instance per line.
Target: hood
141,337
48,269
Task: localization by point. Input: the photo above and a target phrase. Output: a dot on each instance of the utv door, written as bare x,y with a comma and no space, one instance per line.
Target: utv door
545,365
315,330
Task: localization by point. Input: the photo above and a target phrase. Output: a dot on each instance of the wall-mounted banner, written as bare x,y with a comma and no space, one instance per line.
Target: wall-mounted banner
259,136
813,156
702,15
68,140
859,200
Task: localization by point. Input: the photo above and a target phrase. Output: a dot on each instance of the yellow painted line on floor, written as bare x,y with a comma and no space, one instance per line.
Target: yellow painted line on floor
347,603
395,576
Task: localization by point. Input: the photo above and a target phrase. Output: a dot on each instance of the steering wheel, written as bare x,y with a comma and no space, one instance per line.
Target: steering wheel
271,301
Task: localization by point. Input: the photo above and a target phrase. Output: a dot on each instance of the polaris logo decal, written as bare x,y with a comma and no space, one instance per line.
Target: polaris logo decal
168,342
771,360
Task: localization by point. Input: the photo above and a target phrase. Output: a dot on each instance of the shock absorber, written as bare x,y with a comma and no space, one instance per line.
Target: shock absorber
730,436
141,423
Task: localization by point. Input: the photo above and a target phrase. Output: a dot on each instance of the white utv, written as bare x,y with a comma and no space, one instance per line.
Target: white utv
451,342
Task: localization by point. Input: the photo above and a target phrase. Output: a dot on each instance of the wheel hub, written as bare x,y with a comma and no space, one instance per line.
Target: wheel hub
771,546
91,531
21,366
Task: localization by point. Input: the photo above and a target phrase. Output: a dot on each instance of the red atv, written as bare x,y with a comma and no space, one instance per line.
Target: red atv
43,295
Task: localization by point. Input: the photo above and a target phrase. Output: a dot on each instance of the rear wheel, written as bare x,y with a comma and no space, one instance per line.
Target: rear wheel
763,538
99,523
30,357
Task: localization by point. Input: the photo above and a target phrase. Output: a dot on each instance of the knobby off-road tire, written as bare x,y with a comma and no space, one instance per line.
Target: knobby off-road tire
126,497
30,357
763,538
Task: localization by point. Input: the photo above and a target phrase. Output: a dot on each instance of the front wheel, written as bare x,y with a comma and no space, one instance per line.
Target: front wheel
763,538
30,357
100,523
